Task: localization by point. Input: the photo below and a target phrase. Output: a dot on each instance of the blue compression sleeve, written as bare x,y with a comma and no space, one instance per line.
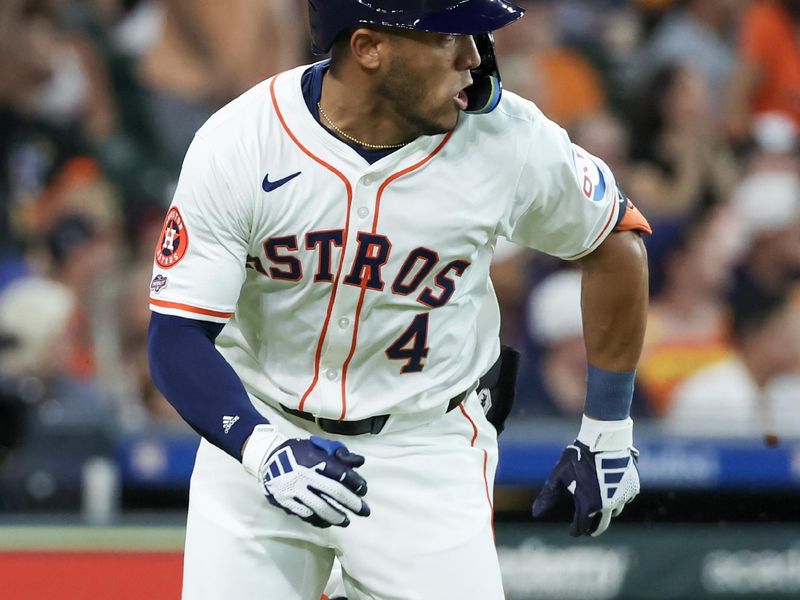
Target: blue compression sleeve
609,394
199,382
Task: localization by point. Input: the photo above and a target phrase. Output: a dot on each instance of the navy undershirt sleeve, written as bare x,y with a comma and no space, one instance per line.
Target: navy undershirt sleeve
197,380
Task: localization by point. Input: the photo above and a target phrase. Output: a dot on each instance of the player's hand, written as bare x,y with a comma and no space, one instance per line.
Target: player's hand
312,478
316,480
601,479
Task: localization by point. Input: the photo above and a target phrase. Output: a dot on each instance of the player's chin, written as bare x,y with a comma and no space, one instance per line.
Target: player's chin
448,116
438,126
439,120
450,122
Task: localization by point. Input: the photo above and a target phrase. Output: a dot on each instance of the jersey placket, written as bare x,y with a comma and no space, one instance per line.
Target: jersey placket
341,338
350,298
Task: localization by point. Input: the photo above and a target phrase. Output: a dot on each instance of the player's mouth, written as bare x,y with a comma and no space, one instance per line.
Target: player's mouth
461,100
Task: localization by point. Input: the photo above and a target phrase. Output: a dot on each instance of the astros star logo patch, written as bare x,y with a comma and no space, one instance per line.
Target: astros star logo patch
173,241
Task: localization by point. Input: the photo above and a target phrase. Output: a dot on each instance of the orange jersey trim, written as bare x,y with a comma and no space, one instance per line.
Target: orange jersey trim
633,220
191,309
349,189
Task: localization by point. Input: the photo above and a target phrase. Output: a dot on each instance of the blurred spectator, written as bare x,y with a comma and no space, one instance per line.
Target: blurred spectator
80,257
133,25
51,73
583,24
696,35
536,65
53,99
555,325
509,273
767,79
755,392
206,54
605,136
653,11
776,139
688,327
680,161
767,203
60,411
35,313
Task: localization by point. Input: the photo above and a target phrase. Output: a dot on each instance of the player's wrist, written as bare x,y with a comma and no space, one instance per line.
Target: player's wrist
609,394
606,436
262,441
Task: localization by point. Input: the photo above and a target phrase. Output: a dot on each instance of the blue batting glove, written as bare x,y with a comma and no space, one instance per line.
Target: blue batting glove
599,471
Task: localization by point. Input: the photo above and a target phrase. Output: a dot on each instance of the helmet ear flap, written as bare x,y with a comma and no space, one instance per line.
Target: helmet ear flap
484,94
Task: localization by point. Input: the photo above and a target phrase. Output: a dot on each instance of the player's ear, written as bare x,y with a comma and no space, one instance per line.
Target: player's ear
367,47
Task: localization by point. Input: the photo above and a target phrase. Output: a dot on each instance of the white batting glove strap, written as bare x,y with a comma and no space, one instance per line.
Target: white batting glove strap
605,436
618,479
264,439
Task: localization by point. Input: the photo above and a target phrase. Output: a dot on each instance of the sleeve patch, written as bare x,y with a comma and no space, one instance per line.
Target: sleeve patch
173,241
159,283
589,174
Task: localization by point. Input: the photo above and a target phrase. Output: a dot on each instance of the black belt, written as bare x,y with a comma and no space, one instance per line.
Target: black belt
372,425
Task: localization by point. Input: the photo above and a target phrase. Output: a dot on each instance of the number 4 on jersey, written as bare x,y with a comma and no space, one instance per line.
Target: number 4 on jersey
411,346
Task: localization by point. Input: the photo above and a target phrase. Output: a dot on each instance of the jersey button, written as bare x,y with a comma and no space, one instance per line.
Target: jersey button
367,180
344,322
363,212
331,374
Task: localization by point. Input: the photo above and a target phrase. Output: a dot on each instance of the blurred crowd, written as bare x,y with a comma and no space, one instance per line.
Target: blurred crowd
695,105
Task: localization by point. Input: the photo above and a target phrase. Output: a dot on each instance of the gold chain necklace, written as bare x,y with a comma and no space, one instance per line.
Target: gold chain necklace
351,138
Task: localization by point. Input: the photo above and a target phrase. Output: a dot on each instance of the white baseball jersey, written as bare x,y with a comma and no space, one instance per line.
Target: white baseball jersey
351,290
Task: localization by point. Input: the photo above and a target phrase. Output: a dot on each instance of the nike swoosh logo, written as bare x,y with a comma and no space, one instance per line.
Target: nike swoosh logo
270,186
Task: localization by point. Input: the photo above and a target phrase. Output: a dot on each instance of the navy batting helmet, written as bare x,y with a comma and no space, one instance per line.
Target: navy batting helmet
329,18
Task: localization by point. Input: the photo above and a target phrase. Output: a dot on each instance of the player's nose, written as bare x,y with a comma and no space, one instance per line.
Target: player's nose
469,57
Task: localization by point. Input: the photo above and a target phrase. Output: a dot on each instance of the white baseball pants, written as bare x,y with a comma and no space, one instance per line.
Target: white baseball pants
429,536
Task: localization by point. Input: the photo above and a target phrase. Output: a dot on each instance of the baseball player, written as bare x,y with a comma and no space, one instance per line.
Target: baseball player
322,310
